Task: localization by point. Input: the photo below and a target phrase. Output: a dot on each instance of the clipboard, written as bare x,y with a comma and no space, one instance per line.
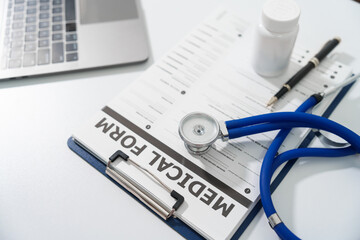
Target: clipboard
175,223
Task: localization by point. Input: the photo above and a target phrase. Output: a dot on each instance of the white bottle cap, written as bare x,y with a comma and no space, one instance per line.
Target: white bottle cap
280,16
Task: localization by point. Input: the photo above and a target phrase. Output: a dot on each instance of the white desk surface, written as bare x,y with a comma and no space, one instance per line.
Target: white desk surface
48,192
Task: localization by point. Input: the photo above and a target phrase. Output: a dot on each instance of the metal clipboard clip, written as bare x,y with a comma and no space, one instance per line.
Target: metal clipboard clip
158,207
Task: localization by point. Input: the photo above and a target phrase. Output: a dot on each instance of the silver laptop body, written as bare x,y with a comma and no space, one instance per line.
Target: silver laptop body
51,36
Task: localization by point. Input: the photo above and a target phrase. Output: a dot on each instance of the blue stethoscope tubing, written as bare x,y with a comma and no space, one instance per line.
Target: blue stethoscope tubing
285,121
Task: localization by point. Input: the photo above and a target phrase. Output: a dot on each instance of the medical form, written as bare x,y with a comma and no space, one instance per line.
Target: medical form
208,71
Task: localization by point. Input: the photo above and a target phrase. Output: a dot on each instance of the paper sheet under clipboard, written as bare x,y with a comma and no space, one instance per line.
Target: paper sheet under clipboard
208,71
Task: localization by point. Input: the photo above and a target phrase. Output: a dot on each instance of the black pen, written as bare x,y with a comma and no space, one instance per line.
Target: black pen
314,62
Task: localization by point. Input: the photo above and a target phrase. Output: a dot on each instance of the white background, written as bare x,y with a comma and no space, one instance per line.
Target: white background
48,192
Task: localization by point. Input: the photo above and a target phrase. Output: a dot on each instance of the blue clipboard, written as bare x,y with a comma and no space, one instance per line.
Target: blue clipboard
175,223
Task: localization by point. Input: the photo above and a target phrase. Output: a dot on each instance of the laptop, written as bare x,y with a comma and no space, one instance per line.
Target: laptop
51,36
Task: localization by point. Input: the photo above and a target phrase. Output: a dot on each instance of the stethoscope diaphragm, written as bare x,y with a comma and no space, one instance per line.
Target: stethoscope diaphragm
198,131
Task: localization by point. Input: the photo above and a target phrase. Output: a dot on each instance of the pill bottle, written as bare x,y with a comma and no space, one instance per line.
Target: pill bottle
275,37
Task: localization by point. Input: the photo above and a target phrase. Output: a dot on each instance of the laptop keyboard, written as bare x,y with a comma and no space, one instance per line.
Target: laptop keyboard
40,32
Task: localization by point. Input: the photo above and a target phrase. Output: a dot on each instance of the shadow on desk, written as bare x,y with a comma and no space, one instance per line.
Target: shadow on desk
77,75
312,169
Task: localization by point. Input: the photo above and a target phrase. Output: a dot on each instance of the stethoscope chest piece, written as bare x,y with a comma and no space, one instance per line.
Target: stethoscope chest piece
198,131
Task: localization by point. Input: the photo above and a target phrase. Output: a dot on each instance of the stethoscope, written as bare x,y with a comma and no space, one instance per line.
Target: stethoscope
199,131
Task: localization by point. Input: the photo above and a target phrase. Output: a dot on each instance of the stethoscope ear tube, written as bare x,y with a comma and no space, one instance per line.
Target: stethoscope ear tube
288,120
199,131
271,162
